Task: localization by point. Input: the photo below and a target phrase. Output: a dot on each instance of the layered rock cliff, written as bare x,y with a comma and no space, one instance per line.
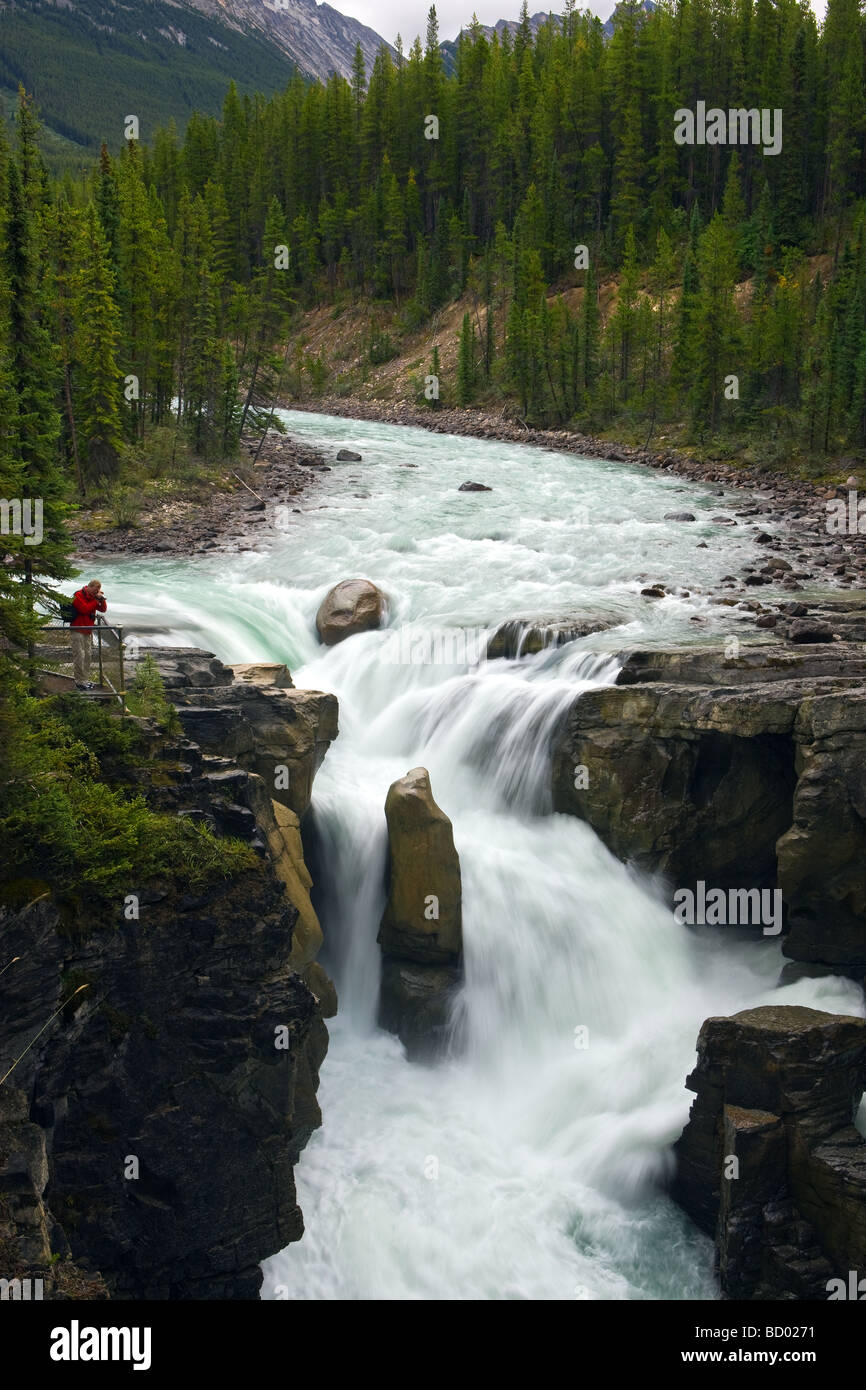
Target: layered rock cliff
770,1162
176,1091
741,771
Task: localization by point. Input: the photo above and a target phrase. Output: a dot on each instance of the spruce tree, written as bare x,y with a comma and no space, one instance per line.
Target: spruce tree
97,375
466,362
33,374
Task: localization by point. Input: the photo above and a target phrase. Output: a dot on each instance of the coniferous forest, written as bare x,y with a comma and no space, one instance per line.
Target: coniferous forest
175,270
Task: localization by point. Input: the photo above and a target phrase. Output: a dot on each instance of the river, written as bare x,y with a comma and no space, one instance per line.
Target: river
528,1166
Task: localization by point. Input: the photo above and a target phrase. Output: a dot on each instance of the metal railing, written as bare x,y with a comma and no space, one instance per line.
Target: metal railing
109,654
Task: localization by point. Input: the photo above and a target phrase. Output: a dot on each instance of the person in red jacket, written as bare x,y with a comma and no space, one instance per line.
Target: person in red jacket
87,602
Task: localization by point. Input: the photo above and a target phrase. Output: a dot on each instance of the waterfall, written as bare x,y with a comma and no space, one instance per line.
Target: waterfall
530,1164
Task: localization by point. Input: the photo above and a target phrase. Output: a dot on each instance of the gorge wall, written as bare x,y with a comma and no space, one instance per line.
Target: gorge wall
153,1128
748,771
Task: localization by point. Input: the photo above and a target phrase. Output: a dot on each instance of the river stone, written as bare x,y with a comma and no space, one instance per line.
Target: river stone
680,516
355,605
810,630
776,564
424,865
525,636
776,1089
474,487
348,456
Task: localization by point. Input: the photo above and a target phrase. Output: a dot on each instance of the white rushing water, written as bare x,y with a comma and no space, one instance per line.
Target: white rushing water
529,1165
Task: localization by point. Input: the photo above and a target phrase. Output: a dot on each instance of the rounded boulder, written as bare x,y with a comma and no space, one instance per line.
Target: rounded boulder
355,605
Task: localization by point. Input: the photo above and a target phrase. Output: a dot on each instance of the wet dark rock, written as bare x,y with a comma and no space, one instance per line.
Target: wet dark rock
525,636
474,487
810,630
195,1048
416,1004
821,855
680,516
348,456
742,769
770,1163
35,1250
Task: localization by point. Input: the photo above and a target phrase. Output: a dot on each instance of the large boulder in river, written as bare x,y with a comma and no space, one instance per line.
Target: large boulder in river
355,605
421,934
770,1162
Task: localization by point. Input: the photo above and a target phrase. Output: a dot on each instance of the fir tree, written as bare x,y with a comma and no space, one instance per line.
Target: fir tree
97,375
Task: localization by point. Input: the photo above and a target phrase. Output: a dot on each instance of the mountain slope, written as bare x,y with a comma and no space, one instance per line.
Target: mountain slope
91,63
448,49
317,38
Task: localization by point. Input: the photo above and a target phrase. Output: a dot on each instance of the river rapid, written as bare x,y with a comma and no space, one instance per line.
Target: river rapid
528,1166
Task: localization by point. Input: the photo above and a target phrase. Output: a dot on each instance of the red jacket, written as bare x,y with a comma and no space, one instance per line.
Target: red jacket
85,608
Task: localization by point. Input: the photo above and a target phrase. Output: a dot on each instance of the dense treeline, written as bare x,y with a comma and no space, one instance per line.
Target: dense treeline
73,819
732,262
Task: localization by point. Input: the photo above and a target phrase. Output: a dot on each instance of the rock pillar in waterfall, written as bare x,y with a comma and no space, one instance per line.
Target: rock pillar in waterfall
421,934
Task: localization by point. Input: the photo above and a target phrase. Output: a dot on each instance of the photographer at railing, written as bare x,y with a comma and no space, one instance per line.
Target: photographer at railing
87,602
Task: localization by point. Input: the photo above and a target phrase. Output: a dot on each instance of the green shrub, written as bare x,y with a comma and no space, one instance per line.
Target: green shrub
123,506
381,348
147,698
103,734
64,826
